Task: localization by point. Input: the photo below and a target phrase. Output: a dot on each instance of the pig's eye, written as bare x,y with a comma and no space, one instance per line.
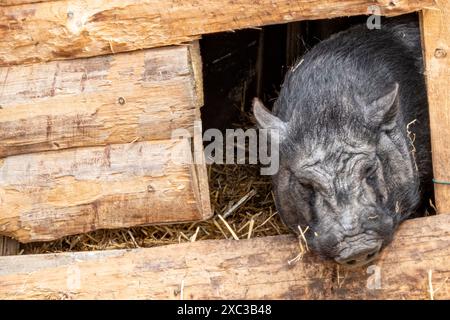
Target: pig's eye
370,173
303,187
307,192
306,185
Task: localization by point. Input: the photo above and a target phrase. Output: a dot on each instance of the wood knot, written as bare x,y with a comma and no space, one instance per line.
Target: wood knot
440,53
121,101
392,3
150,188
389,4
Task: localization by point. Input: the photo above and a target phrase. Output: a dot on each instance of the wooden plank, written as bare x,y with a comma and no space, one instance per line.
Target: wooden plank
44,196
245,269
8,246
81,28
137,96
17,2
436,42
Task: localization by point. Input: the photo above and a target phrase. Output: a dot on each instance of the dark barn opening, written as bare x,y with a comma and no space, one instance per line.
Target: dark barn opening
244,64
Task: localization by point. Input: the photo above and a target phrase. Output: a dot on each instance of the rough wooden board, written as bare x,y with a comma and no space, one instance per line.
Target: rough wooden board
8,246
436,42
47,195
136,96
245,269
199,172
17,2
80,28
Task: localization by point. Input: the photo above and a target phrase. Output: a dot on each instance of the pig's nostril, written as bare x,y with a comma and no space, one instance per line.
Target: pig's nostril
358,257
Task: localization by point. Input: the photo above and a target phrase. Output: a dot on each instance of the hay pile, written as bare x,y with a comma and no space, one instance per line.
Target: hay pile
243,206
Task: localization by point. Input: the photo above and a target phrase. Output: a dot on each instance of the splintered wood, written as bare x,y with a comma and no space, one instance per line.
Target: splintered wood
69,29
245,269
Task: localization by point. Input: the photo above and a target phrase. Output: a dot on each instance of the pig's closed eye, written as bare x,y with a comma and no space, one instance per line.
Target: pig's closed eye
306,185
312,187
307,191
310,192
370,173
302,186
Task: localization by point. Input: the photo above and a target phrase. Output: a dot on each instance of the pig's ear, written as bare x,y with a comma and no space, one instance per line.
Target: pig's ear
383,111
266,120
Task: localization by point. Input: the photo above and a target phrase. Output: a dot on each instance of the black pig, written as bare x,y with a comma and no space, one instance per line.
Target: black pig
346,117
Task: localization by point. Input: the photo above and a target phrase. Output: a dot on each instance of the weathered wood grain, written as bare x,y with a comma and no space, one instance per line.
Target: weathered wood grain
245,269
16,2
44,196
436,42
142,95
81,28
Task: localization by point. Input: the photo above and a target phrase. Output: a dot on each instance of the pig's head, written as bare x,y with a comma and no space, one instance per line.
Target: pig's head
346,172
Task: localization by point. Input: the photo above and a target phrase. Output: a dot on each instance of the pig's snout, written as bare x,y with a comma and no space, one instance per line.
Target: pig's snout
358,256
